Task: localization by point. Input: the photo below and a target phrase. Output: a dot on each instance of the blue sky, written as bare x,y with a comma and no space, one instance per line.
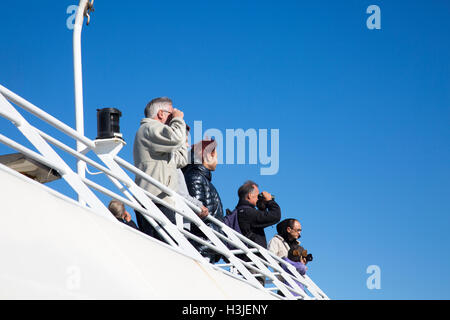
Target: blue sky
363,115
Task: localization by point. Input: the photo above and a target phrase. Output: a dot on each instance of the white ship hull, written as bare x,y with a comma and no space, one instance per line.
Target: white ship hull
54,249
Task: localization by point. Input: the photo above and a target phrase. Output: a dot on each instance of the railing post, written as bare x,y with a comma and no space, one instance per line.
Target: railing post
78,83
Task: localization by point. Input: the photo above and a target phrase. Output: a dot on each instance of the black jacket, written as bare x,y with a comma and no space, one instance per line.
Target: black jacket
253,221
198,182
130,223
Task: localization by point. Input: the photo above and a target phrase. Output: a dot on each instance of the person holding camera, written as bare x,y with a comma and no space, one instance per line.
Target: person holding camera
256,212
297,257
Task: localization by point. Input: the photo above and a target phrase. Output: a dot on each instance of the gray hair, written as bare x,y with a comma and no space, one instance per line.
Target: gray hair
152,108
246,188
117,208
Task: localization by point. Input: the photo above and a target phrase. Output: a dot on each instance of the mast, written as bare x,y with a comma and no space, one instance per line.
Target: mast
84,8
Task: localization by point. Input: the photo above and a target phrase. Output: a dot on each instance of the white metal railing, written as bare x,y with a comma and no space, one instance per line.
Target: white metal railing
258,261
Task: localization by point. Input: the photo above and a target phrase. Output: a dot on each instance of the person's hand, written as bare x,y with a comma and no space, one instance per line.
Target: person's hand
177,113
303,260
204,213
267,196
127,216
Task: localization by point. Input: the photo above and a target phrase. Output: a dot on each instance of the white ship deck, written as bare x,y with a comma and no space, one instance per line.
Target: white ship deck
52,248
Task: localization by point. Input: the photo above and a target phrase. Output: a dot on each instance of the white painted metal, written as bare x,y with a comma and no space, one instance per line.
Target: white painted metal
54,249
268,265
186,212
44,116
238,241
53,158
78,81
241,273
105,151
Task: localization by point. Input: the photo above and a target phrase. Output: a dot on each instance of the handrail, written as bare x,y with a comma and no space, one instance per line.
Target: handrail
295,275
44,116
44,148
30,153
217,222
83,6
261,260
223,227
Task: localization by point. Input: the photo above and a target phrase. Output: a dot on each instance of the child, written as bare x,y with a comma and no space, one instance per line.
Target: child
297,258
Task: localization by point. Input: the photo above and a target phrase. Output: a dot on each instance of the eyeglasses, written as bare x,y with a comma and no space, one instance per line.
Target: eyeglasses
297,230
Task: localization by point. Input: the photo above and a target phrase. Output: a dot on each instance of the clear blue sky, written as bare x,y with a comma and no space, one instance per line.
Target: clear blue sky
363,114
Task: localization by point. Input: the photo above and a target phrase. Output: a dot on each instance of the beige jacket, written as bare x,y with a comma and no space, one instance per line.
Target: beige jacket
158,151
279,247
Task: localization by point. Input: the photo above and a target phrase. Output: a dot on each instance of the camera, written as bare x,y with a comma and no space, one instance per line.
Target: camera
309,257
305,255
261,203
298,252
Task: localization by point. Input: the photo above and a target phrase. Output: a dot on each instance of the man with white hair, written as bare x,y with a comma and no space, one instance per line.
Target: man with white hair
159,149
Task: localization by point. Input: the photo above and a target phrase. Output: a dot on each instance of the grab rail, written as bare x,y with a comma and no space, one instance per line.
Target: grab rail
258,261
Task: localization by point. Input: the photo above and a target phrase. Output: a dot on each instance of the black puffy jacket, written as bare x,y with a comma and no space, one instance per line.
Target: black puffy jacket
198,182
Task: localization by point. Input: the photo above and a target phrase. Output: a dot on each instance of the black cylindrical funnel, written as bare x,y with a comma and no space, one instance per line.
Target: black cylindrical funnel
108,123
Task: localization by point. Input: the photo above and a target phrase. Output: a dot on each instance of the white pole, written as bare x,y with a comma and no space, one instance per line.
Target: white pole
78,79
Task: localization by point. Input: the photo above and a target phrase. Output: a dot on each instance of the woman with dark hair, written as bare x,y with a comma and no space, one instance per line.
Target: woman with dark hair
289,230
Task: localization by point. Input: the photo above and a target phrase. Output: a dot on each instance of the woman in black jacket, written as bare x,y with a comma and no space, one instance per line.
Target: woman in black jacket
198,176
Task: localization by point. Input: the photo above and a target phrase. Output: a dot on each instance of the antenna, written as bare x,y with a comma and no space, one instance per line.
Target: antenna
84,9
